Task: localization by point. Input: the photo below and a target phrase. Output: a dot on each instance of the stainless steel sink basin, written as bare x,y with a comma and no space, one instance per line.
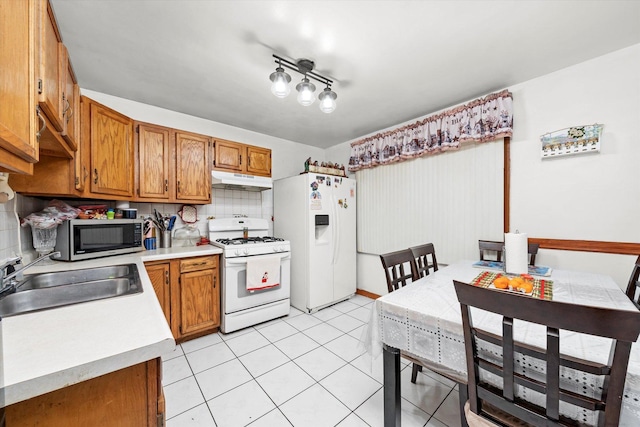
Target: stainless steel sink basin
51,290
47,280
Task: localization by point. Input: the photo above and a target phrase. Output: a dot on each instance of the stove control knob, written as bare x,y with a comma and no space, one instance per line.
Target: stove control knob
246,251
237,252
274,249
280,249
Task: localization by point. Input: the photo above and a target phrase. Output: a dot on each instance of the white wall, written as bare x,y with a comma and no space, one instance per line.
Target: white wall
587,197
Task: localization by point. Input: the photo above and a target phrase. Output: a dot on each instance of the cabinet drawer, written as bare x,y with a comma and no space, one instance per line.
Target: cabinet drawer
198,263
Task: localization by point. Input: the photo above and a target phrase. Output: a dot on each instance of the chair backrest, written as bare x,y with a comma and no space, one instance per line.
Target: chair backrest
622,326
488,245
633,283
533,251
422,254
497,247
395,266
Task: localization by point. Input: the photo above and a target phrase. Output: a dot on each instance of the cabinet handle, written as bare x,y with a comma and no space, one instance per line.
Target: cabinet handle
71,113
166,276
178,187
86,174
166,185
95,180
44,123
240,158
67,107
199,263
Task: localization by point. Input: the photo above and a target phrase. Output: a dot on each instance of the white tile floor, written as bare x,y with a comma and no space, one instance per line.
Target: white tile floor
301,370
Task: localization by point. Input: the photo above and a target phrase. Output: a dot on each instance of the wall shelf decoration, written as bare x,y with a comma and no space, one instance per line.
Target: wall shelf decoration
572,140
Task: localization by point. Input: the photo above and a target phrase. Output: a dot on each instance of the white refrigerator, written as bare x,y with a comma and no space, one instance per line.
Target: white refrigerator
317,214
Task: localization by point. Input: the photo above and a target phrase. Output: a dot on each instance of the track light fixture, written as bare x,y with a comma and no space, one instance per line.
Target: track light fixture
280,84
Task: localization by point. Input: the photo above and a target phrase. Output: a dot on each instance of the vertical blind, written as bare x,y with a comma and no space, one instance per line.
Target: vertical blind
451,200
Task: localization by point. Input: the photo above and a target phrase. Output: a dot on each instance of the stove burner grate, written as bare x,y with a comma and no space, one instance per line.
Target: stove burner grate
243,241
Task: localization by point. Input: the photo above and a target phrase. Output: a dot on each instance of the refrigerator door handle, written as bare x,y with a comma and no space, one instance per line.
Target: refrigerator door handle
335,235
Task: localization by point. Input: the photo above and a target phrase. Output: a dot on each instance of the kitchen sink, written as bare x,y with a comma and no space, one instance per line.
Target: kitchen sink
50,290
47,280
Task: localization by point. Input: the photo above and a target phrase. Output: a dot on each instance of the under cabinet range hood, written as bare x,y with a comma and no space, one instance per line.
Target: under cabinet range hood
240,181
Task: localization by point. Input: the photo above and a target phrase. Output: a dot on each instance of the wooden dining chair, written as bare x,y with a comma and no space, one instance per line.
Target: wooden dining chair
497,247
633,283
400,270
422,254
490,403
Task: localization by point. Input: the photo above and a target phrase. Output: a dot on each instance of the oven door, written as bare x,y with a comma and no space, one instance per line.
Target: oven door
235,296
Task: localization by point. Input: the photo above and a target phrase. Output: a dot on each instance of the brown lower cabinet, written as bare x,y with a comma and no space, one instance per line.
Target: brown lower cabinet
188,290
130,397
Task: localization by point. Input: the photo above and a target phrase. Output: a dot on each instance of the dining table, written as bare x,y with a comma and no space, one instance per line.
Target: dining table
422,321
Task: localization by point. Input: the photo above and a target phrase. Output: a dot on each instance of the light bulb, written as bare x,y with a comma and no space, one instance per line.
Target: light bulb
305,92
280,86
327,100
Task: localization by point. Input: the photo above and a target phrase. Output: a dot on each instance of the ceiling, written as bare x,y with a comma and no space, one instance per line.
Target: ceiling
391,61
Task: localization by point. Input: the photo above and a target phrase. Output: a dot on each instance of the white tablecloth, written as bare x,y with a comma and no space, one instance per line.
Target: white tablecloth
424,319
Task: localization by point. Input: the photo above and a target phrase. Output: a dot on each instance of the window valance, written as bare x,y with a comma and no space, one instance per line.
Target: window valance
481,120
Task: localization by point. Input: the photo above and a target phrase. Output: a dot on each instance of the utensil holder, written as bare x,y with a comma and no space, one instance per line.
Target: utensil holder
165,239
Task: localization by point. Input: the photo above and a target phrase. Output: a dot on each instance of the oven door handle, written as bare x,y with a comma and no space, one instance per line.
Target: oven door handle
243,260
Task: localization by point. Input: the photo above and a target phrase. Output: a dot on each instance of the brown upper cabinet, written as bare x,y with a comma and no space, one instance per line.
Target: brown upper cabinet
19,123
232,156
71,111
172,166
154,159
52,55
36,110
55,99
111,151
193,174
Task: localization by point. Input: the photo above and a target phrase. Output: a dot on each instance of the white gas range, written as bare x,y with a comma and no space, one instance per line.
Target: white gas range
243,241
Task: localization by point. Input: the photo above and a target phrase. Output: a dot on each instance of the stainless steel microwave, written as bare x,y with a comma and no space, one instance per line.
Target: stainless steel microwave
80,239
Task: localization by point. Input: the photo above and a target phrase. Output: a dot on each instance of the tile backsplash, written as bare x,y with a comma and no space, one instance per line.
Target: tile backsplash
16,240
225,204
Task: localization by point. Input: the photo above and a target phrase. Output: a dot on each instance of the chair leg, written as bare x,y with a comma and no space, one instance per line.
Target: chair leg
463,396
414,372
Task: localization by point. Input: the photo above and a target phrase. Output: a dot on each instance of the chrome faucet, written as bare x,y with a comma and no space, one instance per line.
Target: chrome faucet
8,284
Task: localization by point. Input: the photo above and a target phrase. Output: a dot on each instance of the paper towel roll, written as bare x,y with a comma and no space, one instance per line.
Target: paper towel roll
516,253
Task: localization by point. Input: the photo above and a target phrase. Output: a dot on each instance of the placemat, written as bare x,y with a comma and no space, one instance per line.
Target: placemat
542,288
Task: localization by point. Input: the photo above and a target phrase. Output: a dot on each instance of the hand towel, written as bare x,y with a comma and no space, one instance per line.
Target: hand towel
263,272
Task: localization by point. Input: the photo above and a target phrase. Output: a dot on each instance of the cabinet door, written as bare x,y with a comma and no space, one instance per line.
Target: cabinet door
111,152
199,301
51,66
258,161
128,397
228,155
18,95
153,161
193,174
159,276
71,109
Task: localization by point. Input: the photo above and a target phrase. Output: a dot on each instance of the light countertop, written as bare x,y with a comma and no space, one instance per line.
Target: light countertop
48,350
